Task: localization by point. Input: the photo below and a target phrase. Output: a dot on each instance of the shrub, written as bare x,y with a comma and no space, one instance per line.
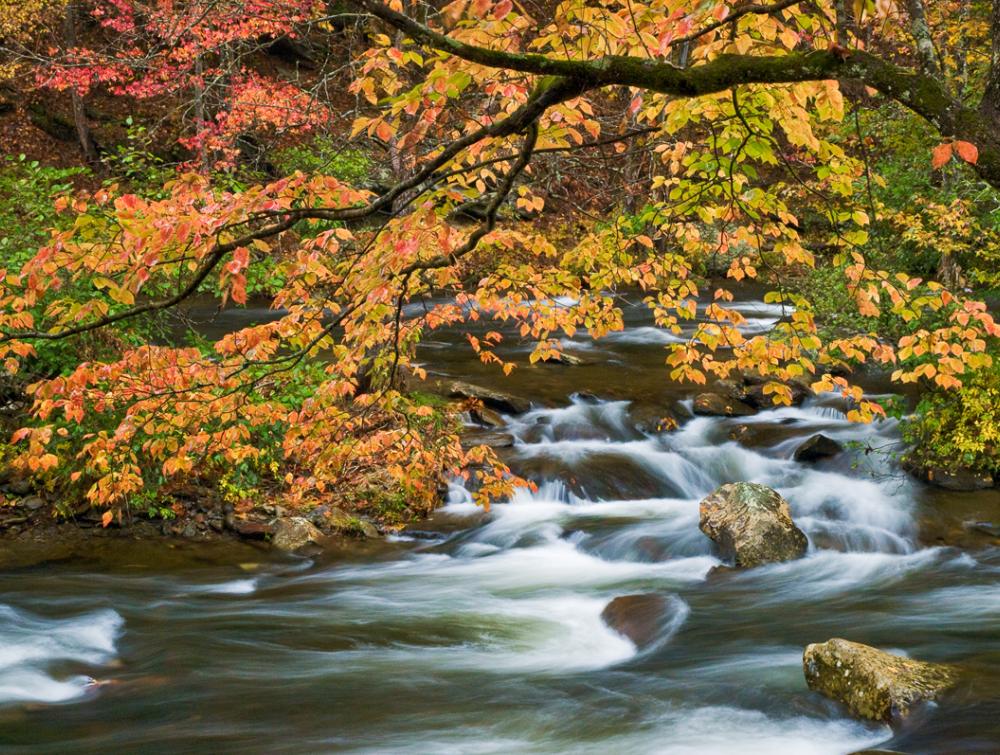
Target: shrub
959,428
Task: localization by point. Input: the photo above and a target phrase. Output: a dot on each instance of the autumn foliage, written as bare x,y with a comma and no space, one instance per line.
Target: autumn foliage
730,173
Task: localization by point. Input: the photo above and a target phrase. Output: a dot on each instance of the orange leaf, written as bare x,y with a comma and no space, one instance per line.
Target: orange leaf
385,132
967,151
940,155
106,518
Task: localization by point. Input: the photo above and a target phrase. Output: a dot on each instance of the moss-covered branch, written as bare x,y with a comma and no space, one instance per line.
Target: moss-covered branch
920,92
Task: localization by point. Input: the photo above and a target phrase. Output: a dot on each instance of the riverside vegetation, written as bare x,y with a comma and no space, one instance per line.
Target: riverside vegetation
234,235
846,156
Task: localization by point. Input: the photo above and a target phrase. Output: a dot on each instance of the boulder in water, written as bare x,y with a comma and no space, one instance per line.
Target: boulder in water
762,434
718,405
817,448
753,392
641,618
873,684
486,417
567,360
294,532
751,525
501,402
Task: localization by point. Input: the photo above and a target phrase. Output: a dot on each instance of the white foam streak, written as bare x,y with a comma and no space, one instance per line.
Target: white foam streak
28,644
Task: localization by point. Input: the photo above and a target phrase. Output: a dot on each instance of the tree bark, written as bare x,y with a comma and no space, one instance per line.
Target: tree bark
990,105
924,94
84,136
929,61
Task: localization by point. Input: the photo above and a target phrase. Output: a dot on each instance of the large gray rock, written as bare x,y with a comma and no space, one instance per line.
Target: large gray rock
751,525
294,532
873,684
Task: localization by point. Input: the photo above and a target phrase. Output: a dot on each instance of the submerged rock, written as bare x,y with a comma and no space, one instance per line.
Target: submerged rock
751,525
817,448
873,684
718,405
641,618
991,529
294,532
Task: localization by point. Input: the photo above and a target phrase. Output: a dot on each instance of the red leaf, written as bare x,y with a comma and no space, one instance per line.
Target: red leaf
940,155
967,151
502,9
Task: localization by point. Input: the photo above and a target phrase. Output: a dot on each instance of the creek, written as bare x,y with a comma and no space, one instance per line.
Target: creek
481,632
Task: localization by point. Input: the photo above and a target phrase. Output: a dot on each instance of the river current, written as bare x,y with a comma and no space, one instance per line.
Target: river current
481,632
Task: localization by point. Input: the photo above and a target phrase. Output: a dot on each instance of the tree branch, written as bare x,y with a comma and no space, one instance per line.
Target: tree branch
923,94
206,267
546,94
990,105
930,63
735,16
489,224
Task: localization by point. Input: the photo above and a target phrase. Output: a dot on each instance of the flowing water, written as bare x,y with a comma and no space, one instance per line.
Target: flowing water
481,632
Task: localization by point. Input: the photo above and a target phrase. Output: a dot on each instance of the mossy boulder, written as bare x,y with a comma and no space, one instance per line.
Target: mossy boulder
751,525
294,532
872,683
337,520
